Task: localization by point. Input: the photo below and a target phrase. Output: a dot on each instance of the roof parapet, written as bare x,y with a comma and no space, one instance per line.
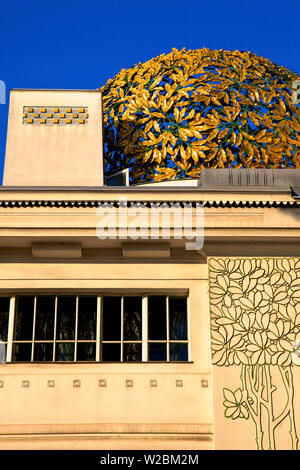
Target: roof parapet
243,177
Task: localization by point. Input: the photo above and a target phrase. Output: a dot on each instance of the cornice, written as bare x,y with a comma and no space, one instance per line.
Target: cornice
65,203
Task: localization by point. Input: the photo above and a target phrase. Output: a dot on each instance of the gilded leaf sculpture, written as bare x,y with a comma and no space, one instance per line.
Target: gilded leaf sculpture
180,112
255,324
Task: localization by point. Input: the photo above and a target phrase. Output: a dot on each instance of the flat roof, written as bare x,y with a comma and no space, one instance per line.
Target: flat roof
263,181
141,189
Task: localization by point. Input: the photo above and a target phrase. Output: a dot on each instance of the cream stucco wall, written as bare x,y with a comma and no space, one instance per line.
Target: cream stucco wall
181,416
54,155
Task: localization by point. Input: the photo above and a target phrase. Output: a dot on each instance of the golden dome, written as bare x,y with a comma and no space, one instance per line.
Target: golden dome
180,112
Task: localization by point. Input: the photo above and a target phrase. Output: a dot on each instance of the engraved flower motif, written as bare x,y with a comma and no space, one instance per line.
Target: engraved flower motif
235,405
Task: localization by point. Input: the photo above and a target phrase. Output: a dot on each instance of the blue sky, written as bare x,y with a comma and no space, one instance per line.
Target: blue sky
81,44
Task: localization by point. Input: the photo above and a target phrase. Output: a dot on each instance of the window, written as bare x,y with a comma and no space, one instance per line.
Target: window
167,334
4,318
54,328
75,328
120,178
122,329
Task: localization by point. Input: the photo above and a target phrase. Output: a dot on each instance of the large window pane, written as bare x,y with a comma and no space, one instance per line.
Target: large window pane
177,318
132,352
43,352
22,352
157,320
132,318
167,334
111,352
66,314
111,319
157,352
44,322
87,314
86,351
64,352
4,314
24,318
178,352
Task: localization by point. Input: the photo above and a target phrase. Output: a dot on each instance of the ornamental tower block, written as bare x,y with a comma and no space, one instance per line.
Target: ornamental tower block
54,138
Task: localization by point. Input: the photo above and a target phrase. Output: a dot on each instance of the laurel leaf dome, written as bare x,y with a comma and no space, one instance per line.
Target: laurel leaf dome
180,112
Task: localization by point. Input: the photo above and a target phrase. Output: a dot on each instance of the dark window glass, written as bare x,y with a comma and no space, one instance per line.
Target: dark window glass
64,352
24,318
4,314
157,320
43,352
66,314
177,318
87,313
21,352
111,352
157,351
132,352
178,352
111,319
86,351
132,318
44,322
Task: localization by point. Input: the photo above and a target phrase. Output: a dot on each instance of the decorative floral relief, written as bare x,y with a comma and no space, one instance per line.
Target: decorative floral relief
255,323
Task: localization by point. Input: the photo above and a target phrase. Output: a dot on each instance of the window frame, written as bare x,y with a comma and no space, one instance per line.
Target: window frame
54,341
169,341
122,341
99,325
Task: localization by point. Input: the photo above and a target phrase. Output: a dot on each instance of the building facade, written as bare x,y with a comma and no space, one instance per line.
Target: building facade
117,339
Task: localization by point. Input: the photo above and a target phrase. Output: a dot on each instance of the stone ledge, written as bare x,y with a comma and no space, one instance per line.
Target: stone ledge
105,429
